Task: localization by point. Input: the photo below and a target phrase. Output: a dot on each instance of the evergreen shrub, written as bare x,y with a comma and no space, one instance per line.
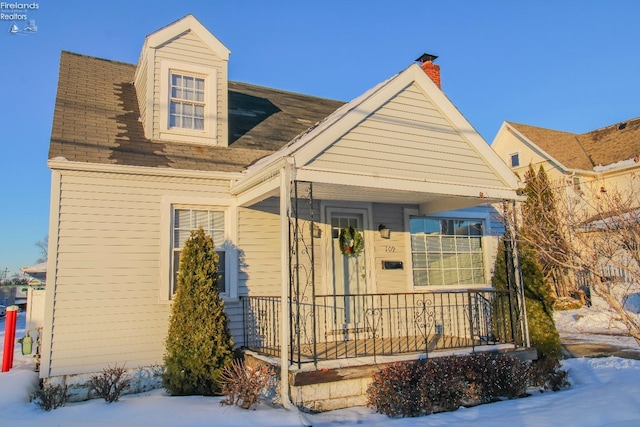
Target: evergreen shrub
198,345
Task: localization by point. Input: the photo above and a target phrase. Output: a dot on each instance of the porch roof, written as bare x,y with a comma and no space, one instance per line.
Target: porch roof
403,141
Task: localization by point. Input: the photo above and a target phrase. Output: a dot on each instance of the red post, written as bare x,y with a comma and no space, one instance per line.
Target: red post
9,337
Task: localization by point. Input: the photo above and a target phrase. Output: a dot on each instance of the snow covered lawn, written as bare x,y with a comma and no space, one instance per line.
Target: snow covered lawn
605,392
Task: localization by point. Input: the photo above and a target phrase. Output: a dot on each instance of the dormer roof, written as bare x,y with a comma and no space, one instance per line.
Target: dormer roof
180,27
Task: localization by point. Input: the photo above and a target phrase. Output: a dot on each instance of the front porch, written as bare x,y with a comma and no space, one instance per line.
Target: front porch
332,327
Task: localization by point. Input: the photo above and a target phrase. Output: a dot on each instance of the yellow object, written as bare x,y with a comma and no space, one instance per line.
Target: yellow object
27,344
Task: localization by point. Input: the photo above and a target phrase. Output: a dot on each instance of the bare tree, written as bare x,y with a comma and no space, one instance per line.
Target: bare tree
591,237
43,245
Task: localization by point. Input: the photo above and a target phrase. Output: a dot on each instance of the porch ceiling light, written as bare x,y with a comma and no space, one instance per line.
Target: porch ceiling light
385,233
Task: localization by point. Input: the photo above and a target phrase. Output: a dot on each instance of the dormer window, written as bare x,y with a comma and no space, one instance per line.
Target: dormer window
187,103
188,106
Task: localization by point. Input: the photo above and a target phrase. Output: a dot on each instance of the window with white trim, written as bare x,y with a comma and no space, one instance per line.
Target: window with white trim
213,223
446,251
187,102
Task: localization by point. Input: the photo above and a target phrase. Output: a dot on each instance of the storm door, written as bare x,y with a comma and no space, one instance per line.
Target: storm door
349,271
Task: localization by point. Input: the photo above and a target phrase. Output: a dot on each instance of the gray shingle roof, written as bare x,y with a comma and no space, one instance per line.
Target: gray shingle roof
604,146
96,121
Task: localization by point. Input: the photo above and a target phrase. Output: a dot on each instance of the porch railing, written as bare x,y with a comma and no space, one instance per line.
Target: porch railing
348,326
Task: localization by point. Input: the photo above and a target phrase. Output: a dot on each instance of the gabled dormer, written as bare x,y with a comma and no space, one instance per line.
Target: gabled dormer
182,85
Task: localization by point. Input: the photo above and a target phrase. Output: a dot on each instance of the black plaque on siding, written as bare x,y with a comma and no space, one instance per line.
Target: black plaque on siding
392,265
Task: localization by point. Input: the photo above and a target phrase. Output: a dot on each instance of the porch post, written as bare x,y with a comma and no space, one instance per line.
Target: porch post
524,323
511,273
285,324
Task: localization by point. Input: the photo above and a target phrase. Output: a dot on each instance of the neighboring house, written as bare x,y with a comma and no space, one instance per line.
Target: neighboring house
606,158
35,295
583,167
288,185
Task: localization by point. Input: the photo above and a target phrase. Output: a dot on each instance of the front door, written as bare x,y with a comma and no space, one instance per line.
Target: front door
349,273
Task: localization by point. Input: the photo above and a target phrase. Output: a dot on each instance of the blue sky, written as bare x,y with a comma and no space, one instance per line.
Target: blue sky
567,65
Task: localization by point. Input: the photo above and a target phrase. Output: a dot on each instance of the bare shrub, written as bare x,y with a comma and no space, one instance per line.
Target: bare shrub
50,397
243,385
110,383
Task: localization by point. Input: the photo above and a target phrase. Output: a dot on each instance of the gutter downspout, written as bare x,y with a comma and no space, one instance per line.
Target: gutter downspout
286,178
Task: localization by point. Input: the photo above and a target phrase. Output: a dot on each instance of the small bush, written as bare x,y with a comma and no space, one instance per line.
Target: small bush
496,376
244,384
444,384
394,391
110,383
50,397
547,374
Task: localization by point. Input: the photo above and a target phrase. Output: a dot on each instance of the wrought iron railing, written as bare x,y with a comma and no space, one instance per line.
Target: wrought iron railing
348,326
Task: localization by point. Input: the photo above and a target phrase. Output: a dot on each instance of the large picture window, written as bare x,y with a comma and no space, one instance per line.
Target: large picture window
446,252
212,222
187,103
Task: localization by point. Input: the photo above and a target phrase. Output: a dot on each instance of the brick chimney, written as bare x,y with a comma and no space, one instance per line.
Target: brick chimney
432,70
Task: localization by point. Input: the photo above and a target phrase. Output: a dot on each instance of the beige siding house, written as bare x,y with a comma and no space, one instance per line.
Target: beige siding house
347,233
605,158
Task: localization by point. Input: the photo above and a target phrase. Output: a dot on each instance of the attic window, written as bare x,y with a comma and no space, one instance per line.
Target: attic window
515,160
186,106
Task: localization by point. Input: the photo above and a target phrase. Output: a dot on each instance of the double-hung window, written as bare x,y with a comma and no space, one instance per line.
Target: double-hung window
187,102
446,251
212,222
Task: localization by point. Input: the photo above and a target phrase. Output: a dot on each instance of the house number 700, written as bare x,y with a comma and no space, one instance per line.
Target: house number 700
390,248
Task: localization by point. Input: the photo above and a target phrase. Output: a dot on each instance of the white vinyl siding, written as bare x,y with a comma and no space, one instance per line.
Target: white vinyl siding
106,308
260,239
409,137
392,249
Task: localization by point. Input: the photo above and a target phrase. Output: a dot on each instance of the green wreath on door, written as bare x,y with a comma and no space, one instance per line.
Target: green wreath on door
351,242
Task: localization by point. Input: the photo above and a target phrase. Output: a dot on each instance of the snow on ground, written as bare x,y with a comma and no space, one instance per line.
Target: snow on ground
596,324
605,392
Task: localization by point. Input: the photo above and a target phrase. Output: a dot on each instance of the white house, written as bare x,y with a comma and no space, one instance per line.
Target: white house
346,232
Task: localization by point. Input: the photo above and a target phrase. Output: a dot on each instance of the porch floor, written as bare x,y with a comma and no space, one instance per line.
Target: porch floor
364,347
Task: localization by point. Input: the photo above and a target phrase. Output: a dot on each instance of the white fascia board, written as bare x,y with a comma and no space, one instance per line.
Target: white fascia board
188,23
62,164
247,181
259,192
407,184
